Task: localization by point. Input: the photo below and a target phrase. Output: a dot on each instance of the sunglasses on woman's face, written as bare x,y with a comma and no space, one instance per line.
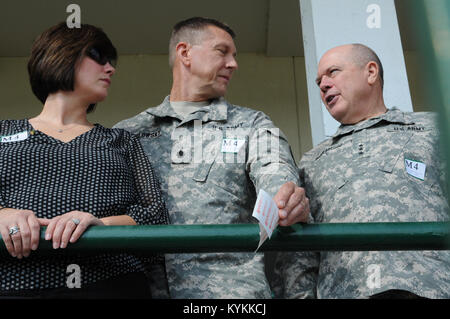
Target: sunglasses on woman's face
100,58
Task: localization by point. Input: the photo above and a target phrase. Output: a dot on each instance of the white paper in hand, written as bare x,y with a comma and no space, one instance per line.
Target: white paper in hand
266,212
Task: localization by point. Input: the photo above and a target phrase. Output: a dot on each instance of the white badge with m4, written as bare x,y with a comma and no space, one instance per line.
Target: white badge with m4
15,137
232,145
415,169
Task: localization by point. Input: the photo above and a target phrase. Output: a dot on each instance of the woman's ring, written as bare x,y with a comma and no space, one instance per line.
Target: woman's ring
13,230
76,221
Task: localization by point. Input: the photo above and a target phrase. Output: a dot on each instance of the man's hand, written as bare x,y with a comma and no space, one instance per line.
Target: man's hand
293,205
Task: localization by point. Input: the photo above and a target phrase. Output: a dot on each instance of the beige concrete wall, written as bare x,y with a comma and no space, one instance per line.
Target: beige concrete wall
277,86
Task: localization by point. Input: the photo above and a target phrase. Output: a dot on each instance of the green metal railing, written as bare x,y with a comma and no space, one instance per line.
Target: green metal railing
245,238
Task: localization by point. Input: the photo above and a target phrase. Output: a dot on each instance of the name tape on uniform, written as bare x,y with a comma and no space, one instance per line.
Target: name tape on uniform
266,212
15,137
416,169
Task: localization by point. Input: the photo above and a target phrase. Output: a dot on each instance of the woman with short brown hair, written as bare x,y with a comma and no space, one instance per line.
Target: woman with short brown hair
61,171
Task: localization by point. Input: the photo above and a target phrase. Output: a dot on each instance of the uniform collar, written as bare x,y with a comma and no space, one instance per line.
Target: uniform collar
216,111
392,115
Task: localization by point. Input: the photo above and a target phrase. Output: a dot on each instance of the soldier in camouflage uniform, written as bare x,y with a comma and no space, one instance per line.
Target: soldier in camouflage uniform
381,166
212,157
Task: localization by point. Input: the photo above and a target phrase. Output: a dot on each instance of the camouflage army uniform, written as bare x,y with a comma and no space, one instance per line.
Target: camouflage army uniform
205,182
359,175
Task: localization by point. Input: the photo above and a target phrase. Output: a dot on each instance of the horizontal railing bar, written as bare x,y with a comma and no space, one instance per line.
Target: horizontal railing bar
245,238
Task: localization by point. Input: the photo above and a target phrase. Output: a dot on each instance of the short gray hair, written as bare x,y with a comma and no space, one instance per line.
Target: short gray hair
192,31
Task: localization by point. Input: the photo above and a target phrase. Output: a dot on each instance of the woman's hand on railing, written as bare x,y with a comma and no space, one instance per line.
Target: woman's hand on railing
68,227
20,231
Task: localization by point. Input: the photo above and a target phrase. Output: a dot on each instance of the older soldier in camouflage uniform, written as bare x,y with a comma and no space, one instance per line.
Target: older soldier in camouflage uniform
381,166
212,158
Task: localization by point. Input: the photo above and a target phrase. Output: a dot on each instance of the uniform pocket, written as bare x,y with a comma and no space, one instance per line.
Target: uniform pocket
202,171
333,200
420,174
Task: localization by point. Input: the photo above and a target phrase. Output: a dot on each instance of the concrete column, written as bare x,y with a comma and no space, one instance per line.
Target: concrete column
329,23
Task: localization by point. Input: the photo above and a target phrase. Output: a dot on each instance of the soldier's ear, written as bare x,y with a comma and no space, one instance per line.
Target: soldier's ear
372,71
183,53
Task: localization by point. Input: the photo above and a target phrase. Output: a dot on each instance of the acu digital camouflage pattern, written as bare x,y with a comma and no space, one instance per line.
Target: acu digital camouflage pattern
202,184
359,175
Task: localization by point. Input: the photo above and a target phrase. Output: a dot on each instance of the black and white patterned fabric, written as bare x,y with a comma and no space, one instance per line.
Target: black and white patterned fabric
104,172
